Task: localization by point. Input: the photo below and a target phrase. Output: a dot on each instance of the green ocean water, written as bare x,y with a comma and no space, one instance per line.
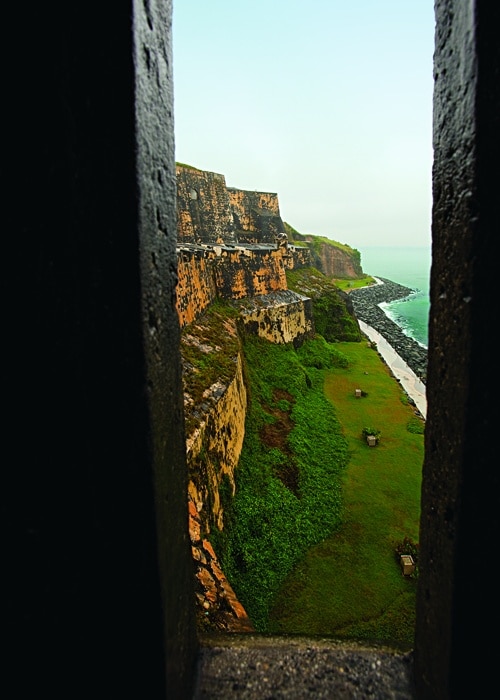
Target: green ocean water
409,266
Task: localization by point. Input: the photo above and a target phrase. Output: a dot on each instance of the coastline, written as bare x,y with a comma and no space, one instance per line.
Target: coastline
405,357
413,386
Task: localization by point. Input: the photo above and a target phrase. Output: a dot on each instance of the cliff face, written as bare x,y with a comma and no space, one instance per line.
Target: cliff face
333,261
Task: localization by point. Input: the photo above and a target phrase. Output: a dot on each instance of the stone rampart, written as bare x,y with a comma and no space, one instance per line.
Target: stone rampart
203,209
210,213
230,272
280,317
256,216
213,450
196,288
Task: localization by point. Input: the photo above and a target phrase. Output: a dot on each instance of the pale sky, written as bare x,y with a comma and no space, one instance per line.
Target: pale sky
327,103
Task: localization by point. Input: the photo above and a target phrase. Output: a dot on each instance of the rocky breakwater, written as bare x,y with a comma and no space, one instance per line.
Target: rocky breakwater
366,303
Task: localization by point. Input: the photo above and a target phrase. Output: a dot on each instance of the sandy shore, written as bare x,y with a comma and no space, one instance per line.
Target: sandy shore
408,379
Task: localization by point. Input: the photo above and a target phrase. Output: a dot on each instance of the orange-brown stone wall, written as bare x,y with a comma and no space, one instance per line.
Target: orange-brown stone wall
230,273
195,284
256,216
203,210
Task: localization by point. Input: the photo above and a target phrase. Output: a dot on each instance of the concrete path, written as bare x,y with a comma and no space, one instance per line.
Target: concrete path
409,381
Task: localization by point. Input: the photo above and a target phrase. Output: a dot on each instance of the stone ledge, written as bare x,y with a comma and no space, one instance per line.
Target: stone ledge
252,666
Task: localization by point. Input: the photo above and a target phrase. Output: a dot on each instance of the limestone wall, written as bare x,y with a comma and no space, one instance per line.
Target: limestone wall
210,213
282,317
213,450
244,272
203,210
256,215
230,272
196,287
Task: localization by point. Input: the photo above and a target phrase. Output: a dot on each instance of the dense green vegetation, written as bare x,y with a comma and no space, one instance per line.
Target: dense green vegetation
288,492
331,318
350,585
314,534
319,515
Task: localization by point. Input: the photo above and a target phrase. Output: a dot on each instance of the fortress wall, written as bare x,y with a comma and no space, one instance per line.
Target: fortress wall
227,272
203,210
297,257
243,272
214,448
256,215
213,452
195,284
284,317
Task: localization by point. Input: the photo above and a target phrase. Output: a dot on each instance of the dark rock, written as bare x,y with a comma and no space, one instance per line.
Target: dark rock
366,303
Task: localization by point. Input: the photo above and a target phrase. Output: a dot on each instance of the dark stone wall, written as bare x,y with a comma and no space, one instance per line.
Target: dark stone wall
161,383
97,565
455,654
203,209
256,216
210,213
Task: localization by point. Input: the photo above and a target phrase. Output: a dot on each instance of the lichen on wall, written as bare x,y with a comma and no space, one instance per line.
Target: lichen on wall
214,448
228,272
256,215
196,288
241,273
282,317
203,211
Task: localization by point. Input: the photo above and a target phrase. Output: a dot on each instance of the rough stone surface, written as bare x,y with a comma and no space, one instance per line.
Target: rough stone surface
366,302
214,448
217,606
281,317
203,211
280,667
256,215
231,272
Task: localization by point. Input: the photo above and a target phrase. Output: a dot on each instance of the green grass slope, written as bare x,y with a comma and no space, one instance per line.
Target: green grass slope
351,585
318,515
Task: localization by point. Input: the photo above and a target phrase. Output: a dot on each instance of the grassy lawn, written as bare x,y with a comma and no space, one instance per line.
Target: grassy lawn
350,585
348,284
